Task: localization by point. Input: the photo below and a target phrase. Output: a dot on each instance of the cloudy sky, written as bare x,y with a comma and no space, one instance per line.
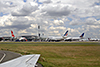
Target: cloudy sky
53,16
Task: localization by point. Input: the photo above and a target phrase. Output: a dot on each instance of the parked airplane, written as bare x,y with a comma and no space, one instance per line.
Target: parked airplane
74,38
52,38
19,39
1,38
23,61
93,39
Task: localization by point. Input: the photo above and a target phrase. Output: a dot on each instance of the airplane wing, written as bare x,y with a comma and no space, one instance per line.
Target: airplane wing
23,61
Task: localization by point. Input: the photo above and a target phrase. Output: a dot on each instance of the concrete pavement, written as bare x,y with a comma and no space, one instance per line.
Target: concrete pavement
7,55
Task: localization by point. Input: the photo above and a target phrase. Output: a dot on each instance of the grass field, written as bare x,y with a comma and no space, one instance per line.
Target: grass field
59,54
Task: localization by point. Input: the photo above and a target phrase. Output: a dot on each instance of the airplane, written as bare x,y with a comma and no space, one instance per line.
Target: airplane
93,39
74,38
1,38
21,61
56,39
20,39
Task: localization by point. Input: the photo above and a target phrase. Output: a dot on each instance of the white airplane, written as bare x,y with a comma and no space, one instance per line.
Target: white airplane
52,38
74,38
20,39
93,39
23,61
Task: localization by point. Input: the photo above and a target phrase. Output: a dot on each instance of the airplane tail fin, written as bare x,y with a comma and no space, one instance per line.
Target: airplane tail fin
66,33
82,35
12,34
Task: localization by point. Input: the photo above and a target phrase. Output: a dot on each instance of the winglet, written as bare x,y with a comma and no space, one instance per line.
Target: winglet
66,33
82,35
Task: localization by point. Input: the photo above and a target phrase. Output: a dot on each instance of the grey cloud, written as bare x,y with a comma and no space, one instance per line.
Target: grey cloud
56,10
9,4
92,21
2,6
56,13
19,27
47,1
20,21
6,6
26,10
87,21
19,14
76,22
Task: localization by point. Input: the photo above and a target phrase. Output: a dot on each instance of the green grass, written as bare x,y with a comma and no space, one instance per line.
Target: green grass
59,54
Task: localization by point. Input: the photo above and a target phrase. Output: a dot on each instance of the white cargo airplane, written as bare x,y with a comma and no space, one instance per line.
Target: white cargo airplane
23,61
52,38
74,38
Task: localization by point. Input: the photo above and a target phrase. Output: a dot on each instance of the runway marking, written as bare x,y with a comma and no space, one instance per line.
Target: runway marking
3,57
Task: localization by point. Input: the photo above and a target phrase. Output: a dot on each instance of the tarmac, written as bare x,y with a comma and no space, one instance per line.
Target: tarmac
8,55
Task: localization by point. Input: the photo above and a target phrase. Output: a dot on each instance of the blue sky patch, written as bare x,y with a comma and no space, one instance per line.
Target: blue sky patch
84,18
97,3
25,0
39,2
51,19
11,3
2,14
96,17
69,18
